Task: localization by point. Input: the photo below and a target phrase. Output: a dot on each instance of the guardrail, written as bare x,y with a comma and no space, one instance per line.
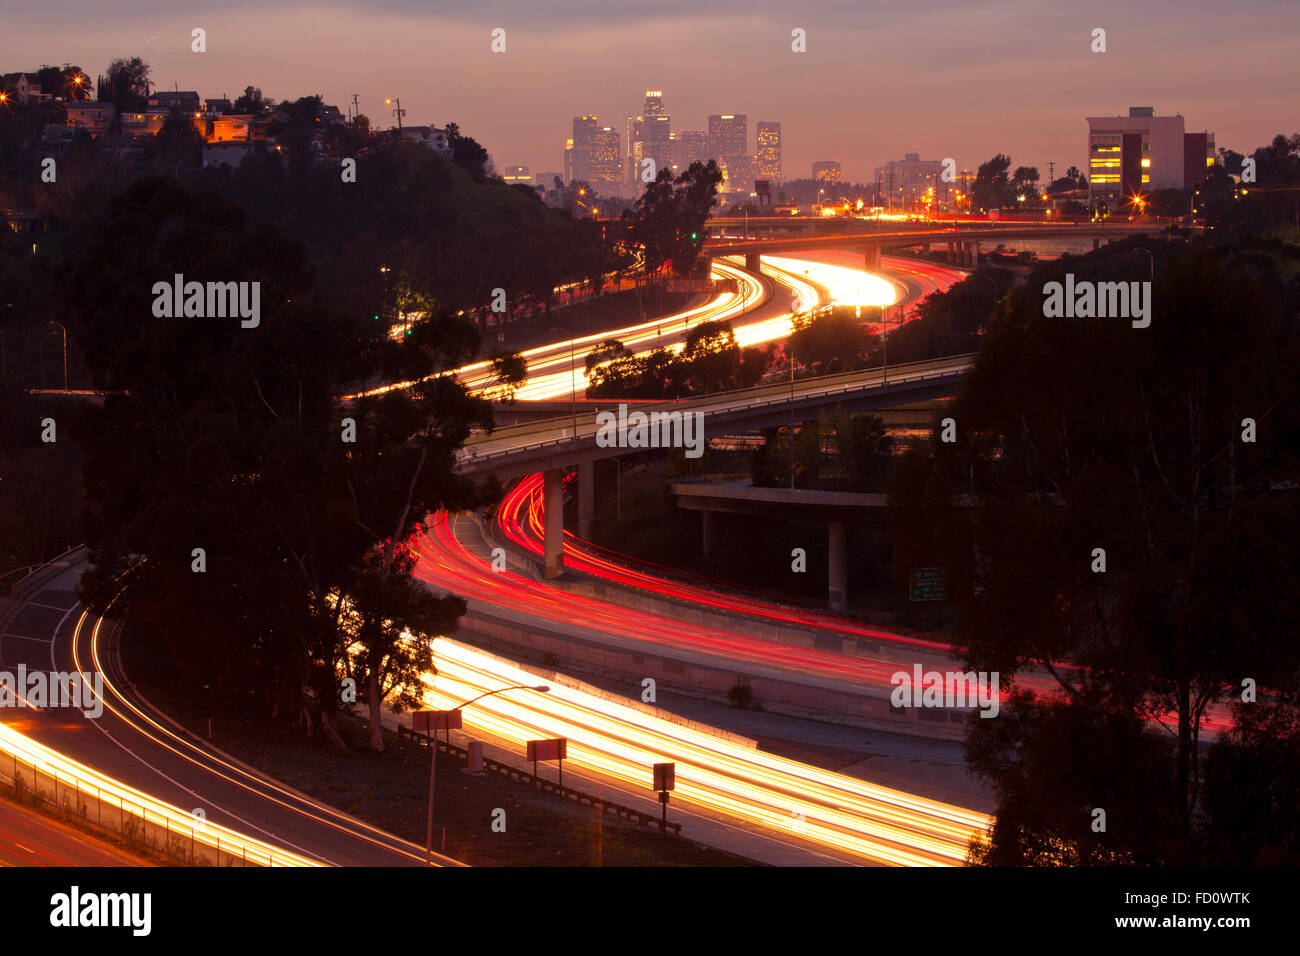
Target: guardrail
639,817
37,573
31,774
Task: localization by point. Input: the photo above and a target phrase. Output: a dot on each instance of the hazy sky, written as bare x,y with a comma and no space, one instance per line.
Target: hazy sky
944,78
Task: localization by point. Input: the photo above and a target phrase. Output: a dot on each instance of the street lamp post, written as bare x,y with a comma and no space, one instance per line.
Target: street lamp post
396,102
433,746
64,329
573,382
790,357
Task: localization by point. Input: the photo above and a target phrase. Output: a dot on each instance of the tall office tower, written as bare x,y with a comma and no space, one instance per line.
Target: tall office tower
584,130
518,174
654,103
768,160
606,163
654,136
728,138
634,126
1129,156
689,146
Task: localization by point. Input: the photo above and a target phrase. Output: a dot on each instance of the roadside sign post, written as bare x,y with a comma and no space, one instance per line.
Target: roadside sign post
426,722
552,748
665,780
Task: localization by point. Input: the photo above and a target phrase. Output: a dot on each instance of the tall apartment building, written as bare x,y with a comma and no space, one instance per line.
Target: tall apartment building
1134,154
767,163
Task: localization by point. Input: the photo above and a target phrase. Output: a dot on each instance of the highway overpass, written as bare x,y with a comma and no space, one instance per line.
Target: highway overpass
963,241
553,446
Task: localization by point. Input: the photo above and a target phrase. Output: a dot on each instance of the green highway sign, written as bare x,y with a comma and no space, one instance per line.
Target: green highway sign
929,584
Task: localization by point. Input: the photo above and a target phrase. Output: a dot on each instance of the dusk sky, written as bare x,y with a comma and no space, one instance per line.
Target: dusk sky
942,78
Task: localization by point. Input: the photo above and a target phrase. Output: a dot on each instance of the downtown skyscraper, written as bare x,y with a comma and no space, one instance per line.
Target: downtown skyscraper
728,142
768,161
596,155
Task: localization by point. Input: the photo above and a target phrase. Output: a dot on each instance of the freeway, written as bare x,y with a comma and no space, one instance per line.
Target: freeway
135,751
830,816
520,519
29,839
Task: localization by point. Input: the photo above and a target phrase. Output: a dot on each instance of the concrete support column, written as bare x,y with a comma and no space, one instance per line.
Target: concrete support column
710,524
837,588
952,254
752,262
586,498
553,516
976,263
872,258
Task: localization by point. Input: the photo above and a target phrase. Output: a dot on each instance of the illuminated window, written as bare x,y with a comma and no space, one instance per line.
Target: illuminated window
1146,164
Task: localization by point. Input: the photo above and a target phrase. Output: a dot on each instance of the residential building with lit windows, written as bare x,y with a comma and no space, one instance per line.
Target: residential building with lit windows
91,115
1128,156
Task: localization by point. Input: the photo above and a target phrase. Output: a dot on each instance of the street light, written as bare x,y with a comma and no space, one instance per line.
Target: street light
64,329
433,746
398,112
573,383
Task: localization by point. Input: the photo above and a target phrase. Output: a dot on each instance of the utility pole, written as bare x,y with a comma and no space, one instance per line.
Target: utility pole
1051,173
396,103
356,107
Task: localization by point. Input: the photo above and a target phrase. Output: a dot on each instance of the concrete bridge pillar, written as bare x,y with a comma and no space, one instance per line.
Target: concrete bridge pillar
553,518
752,262
837,586
872,258
976,263
952,254
586,498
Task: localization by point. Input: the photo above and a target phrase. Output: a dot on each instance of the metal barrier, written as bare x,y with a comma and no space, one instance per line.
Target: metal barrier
137,827
639,817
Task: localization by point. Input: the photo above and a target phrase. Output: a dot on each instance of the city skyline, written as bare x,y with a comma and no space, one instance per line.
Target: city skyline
968,89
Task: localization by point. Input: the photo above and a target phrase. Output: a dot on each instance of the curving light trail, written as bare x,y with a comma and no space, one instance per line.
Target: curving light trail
521,519
866,821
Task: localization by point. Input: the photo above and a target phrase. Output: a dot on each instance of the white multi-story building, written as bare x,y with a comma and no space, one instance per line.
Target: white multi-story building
1131,155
